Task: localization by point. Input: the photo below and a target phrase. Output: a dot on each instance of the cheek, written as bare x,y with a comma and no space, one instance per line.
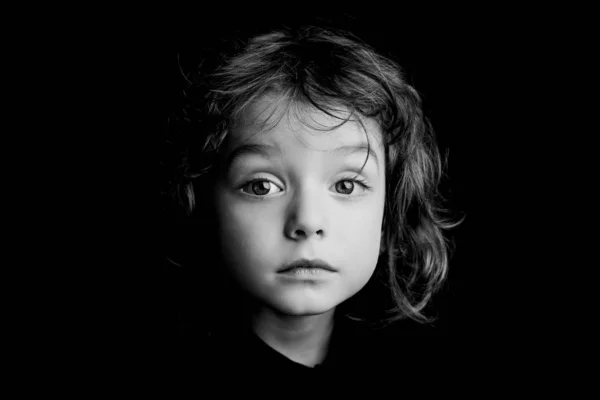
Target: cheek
246,231
362,245
362,224
361,235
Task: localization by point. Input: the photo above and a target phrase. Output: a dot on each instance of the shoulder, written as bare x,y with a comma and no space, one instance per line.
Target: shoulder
406,348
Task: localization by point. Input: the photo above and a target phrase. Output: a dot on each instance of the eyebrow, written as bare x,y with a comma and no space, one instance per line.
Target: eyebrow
351,149
263,150
266,150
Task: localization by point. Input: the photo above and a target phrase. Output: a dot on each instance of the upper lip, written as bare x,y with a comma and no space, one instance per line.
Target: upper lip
304,263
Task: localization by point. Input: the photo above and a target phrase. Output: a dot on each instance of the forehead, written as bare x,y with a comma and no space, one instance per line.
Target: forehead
273,120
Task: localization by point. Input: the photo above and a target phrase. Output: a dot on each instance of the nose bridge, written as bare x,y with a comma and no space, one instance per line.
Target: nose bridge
307,211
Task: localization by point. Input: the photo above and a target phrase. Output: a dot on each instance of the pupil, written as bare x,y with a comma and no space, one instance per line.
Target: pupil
346,187
261,187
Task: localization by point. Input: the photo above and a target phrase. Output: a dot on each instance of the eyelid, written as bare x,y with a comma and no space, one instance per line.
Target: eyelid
263,177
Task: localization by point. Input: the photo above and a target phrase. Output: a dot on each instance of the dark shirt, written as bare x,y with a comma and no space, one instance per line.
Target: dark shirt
237,361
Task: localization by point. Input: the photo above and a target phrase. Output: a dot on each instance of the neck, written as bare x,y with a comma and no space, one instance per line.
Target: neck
303,339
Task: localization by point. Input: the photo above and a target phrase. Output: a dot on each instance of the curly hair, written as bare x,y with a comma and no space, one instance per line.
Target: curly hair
326,68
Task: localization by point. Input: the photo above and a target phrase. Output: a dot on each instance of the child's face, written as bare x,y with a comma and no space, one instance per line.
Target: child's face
303,205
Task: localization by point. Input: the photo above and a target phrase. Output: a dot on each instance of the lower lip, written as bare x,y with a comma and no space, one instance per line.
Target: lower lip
306,272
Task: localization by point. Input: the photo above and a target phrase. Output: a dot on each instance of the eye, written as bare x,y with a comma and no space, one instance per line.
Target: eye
347,186
260,187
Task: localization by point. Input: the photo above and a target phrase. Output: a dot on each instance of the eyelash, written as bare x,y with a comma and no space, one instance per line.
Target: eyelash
360,181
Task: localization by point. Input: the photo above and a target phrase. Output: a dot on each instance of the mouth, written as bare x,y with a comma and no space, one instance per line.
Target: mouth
306,265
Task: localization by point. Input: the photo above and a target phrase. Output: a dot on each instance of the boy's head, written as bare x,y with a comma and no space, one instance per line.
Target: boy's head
303,186
279,122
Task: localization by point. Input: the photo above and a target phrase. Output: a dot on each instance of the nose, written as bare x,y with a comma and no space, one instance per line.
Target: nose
306,216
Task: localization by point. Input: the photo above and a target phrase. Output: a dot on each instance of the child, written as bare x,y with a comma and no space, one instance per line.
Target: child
310,184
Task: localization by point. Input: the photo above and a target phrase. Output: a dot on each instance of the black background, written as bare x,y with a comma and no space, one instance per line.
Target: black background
101,83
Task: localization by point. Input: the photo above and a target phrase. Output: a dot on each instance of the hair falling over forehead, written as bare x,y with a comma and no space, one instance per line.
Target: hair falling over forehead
331,71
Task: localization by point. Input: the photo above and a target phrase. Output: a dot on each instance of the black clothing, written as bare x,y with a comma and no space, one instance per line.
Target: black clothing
239,361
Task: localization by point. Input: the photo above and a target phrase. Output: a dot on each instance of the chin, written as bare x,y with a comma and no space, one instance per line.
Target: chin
304,311
304,307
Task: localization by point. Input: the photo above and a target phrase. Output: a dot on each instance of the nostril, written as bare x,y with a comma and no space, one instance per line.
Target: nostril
300,232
